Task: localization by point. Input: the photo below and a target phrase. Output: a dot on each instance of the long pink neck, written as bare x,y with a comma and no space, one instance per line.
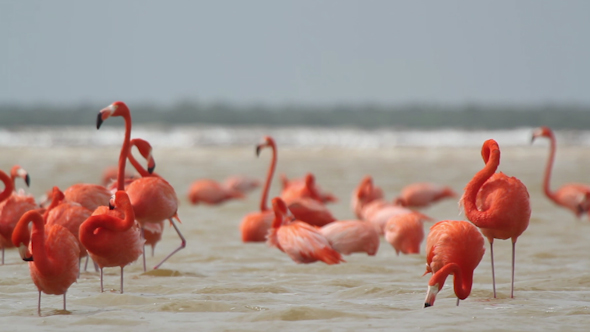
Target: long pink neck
462,280
548,168
124,151
92,239
140,169
269,175
481,218
8,186
40,258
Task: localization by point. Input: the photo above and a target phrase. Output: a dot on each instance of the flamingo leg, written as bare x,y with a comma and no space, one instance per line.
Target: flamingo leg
513,257
182,244
458,301
143,237
101,289
493,274
2,255
64,301
153,250
79,265
39,305
121,280
86,264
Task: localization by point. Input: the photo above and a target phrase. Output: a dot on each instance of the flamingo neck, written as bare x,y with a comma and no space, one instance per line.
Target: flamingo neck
548,168
140,169
124,151
462,281
40,258
269,175
480,218
8,186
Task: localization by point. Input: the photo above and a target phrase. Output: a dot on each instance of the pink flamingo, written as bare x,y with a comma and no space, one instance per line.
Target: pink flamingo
497,204
300,241
572,196
423,194
350,236
211,192
52,252
405,233
452,247
13,206
298,185
255,225
365,193
241,183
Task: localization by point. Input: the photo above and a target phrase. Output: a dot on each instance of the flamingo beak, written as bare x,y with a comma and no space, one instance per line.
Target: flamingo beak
111,206
151,169
258,148
431,296
27,180
99,120
24,253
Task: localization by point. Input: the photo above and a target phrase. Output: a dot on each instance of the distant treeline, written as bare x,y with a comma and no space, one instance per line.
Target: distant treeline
367,116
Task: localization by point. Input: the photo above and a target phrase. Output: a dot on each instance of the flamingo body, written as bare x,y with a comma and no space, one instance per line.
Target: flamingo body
241,183
88,195
423,194
255,226
211,192
11,210
350,236
153,199
405,233
70,215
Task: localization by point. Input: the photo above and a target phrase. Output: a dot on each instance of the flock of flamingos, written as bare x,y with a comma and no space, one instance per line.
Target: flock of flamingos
112,223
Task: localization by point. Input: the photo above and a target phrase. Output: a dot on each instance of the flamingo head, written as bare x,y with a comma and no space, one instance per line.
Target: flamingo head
18,172
266,141
431,295
57,195
490,150
541,132
145,149
117,108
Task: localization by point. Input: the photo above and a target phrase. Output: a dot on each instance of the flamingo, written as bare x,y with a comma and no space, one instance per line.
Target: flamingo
423,194
405,232
301,188
497,204
52,254
13,206
153,198
297,184
255,225
572,196
241,183
89,195
364,193
110,174
111,235
211,192
304,202
453,247
350,236
300,241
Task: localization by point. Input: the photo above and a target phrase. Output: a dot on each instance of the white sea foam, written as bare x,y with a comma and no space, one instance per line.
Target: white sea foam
190,136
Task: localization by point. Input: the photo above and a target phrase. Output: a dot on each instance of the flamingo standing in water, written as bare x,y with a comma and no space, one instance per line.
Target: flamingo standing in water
299,185
365,193
405,233
497,204
211,192
350,236
153,198
423,194
111,235
13,206
241,183
255,225
300,241
572,196
52,254
452,247
305,203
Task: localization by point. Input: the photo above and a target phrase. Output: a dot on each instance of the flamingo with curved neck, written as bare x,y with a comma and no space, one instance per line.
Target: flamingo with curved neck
497,204
52,254
572,196
453,247
118,108
255,225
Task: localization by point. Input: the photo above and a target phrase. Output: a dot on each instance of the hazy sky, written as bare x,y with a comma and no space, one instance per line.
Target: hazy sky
295,51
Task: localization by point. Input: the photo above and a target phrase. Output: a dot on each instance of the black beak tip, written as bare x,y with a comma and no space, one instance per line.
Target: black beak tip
111,206
28,259
257,151
28,180
99,120
151,169
426,305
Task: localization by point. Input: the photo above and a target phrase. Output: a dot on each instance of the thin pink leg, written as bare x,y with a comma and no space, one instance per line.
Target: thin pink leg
493,274
64,301
513,257
143,237
2,255
39,305
182,244
121,280
86,264
101,288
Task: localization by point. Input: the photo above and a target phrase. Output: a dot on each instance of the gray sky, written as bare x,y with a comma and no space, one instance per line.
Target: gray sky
295,51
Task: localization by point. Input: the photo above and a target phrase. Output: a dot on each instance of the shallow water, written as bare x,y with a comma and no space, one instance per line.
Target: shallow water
218,283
